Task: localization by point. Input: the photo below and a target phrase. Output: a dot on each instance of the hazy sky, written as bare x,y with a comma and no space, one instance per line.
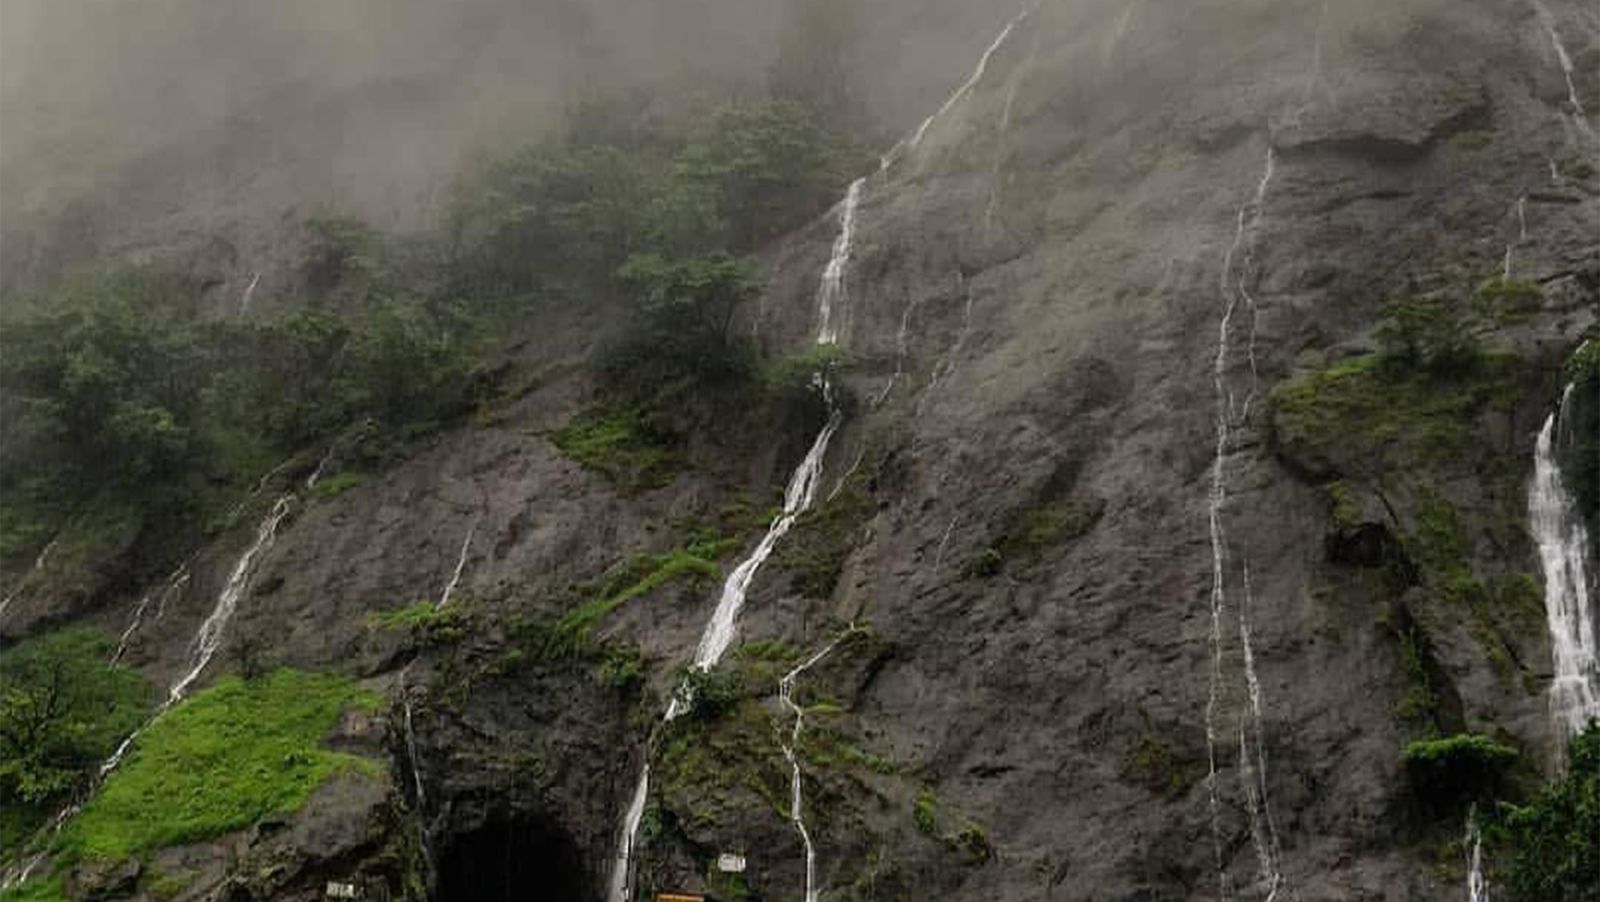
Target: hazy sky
161,116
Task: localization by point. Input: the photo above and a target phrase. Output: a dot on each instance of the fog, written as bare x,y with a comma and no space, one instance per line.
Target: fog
162,116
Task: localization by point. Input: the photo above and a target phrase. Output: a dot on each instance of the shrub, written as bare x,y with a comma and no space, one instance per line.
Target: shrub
1554,842
1449,773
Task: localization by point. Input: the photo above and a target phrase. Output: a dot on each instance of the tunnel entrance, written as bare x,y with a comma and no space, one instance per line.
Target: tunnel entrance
512,859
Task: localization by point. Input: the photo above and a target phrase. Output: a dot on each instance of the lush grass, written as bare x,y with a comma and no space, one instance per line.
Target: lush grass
622,446
339,483
230,756
427,624
39,889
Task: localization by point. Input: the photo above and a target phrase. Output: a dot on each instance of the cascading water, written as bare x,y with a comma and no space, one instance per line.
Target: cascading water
910,144
1580,116
1477,884
38,564
209,638
797,498
1263,832
205,644
249,292
461,564
1247,223
796,800
1563,545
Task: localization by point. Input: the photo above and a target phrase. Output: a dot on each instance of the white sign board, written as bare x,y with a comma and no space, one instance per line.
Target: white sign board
729,863
341,891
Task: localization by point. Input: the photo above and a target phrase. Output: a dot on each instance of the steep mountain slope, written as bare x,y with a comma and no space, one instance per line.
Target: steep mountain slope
1129,604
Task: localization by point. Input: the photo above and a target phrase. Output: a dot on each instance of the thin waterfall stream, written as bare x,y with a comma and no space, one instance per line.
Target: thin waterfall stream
798,496
802,489
796,796
202,649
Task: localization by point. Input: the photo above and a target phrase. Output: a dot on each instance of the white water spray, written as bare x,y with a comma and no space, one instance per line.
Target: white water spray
1563,546
1477,884
461,564
1247,221
796,800
1522,237
38,564
204,647
249,292
909,145
801,491
1263,831
209,638
1580,117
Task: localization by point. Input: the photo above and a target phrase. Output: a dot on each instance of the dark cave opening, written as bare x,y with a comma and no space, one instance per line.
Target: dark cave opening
512,858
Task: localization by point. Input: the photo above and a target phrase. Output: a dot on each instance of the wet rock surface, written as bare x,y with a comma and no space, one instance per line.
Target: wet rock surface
1020,508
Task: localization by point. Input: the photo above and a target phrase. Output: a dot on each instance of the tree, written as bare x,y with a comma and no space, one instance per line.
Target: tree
1555,841
1421,333
769,165
62,711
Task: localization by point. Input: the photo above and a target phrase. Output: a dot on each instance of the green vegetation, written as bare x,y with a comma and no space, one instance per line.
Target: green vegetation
1155,765
1553,843
815,551
983,565
425,622
122,406
639,576
1450,772
966,837
230,756
62,711
627,446
38,889
1052,524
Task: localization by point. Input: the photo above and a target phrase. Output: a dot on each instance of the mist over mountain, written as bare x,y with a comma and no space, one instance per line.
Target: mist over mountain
800,450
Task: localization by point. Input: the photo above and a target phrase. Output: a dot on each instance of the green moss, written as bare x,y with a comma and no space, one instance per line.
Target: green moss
1342,507
337,484
1371,417
427,624
984,564
815,551
39,889
925,813
1419,705
1052,524
227,758
640,576
1154,764
167,886
1504,301
622,445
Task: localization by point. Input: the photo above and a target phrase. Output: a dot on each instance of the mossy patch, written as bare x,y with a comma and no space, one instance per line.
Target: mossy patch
227,758
624,446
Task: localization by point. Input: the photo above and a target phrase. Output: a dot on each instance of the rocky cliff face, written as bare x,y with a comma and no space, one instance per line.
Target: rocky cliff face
1128,626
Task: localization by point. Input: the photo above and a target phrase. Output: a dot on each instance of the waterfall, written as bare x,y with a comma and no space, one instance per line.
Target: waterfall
204,646
1477,884
832,288
797,498
1522,237
796,809
249,292
1246,225
1563,546
38,564
461,564
909,145
1580,117
209,638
